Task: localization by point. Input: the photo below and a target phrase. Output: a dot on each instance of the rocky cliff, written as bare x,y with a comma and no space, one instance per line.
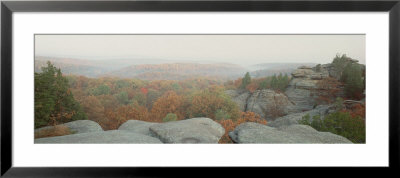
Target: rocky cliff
267,103
301,88
299,96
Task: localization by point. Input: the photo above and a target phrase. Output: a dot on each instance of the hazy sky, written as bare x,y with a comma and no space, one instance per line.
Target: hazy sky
240,49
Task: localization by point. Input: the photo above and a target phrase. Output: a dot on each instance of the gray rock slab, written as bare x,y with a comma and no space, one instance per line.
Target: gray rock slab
104,137
78,126
195,130
292,119
137,126
250,132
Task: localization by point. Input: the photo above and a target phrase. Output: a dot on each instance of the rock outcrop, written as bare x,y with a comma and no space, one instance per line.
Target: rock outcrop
261,102
196,130
293,119
136,126
301,88
112,136
299,96
250,132
240,97
78,126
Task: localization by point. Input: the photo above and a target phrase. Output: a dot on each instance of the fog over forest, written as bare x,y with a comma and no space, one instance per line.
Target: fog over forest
237,49
224,89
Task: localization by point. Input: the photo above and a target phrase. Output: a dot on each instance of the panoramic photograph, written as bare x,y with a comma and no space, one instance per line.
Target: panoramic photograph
199,89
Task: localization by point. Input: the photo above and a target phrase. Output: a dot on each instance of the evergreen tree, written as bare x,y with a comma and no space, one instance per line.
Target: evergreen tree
280,81
352,78
54,102
339,63
285,81
318,68
264,84
274,82
246,80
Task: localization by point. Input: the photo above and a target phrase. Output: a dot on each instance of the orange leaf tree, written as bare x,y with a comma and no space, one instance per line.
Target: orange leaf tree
170,102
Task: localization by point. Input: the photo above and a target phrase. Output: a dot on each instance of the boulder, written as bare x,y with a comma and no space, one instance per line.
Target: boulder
111,136
250,132
301,73
301,90
264,101
195,130
311,73
78,126
301,97
261,101
136,126
240,97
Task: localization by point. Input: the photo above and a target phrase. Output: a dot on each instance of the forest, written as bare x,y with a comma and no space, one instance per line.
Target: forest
111,101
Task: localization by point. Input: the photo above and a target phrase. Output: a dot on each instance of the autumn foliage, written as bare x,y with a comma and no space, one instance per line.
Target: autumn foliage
58,130
170,102
327,90
229,124
112,101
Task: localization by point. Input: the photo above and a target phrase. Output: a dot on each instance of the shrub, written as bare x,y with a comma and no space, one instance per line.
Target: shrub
338,104
58,130
206,103
340,123
170,117
305,120
221,114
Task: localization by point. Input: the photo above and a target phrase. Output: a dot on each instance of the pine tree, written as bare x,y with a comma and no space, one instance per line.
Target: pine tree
54,102
285,81
274,82
264,84
246,80
352,77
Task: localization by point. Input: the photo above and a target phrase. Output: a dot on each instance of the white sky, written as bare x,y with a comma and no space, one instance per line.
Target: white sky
240,49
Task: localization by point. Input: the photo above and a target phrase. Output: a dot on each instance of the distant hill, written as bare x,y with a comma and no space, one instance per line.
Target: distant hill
72,66
270,69
179,71
158,69
88,68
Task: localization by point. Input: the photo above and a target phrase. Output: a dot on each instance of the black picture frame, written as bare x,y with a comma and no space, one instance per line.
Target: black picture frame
8,7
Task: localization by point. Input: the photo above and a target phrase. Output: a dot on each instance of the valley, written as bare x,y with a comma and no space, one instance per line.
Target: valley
278,99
